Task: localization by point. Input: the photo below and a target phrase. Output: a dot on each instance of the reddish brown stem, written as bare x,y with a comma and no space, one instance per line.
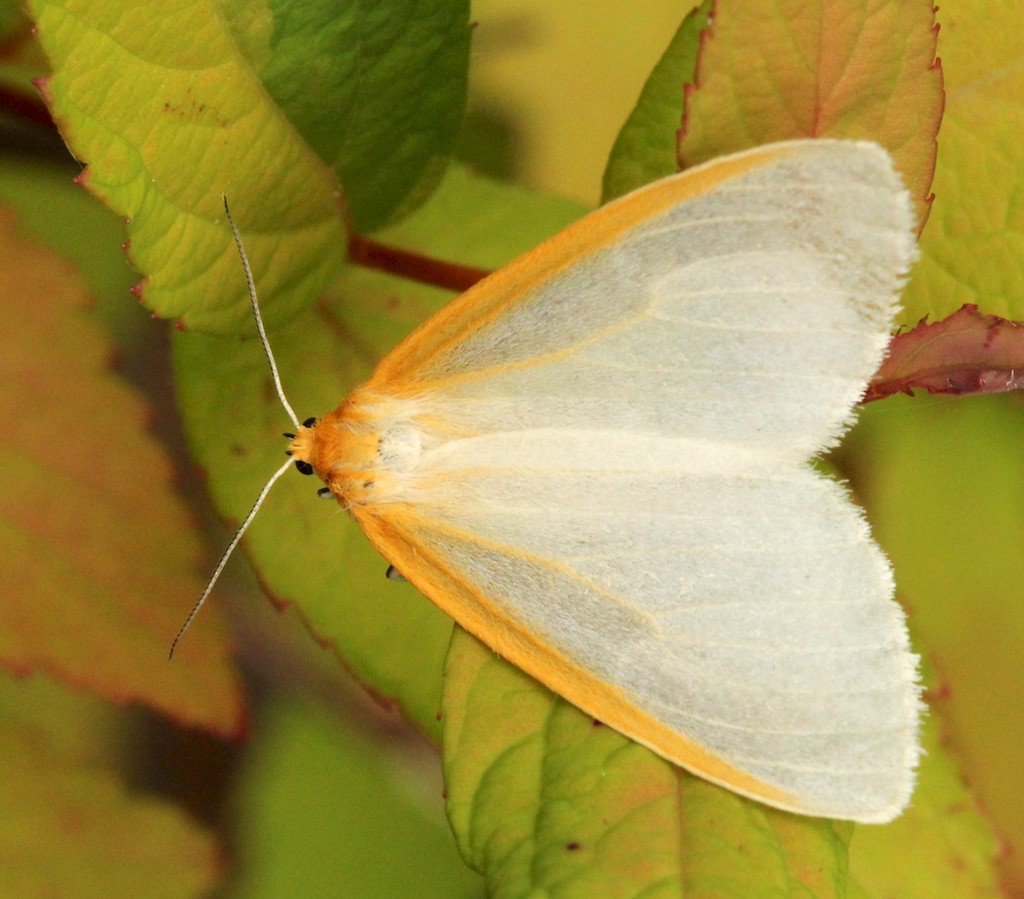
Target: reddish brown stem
416,267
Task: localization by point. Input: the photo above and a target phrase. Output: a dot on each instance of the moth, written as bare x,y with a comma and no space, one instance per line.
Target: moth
597,461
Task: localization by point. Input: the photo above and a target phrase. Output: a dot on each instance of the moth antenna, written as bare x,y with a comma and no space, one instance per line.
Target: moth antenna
227,554
259,318
243,527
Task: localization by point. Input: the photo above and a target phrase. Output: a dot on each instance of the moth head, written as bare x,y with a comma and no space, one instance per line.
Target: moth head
302,445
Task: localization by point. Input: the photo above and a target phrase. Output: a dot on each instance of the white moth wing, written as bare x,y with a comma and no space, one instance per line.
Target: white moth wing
617,462
747,609
752,313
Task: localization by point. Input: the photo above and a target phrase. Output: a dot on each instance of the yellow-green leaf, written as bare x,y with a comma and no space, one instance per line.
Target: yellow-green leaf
323,807
168,115
943,484
941,846
277,107
973,245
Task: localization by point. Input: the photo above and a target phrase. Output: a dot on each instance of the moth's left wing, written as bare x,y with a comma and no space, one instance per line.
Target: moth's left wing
731,615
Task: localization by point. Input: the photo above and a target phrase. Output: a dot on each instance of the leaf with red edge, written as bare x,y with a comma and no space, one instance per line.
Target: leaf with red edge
70,825
972,248
966,353
93,598
840,68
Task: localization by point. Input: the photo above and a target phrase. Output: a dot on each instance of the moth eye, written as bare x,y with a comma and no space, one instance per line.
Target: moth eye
289,436
309,422
303,466
325,493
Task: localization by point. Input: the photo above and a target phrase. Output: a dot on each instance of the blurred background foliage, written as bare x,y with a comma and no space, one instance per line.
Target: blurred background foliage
290,779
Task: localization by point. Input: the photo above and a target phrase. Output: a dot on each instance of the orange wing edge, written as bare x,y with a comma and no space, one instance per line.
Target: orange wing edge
473,611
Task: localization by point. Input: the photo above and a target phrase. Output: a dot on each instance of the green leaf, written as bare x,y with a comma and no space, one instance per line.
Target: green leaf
376,89
168,125
645,149
324,809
